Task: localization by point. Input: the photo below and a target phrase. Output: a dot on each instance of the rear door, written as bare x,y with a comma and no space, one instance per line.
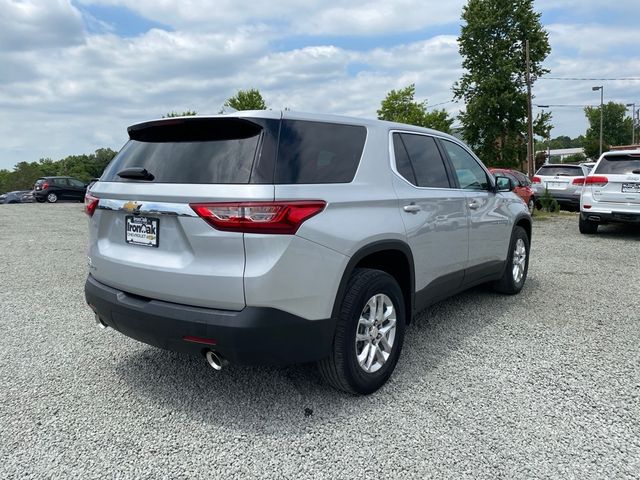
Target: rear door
62,188
145,238
76,189
434,214
622,173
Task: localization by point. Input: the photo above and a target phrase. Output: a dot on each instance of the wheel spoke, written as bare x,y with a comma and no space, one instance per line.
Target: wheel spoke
380,355
380,310
372,309
362,357
385,344
372,355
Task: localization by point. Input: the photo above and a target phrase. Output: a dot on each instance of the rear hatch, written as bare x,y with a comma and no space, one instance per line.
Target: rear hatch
616,179
146,239
560,178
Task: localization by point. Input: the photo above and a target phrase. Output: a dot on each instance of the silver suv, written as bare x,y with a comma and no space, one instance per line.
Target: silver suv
268,237
612,191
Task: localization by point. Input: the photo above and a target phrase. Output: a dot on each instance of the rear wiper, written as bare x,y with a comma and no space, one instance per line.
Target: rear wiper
138,173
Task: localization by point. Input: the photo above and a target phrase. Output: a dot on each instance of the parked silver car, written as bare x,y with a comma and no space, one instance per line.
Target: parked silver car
564,182
612,191
268,237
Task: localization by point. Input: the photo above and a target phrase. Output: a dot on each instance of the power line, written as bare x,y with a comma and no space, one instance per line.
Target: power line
441,103
635,79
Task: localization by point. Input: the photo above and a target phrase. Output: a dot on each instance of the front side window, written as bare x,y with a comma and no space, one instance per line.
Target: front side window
471,176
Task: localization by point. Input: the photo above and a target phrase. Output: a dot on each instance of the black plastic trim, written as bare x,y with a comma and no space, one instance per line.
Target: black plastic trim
254,335
374,247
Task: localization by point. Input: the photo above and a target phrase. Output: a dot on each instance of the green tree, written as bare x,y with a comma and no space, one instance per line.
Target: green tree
246,100
616,128
492,45
401,106
186,113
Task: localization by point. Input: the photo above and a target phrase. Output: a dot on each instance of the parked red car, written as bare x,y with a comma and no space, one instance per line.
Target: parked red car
522,185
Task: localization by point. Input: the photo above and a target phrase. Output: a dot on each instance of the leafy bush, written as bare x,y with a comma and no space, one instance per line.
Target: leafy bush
548,203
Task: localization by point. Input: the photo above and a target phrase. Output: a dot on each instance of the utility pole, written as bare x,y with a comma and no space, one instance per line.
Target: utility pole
530,152
595,89
548,135
633,122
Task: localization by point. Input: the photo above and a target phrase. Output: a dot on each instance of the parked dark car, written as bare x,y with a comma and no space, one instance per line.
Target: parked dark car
19,196
52,189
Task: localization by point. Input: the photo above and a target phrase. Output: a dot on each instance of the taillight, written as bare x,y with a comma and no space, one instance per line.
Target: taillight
578,181
596,180
536,180
90,204
259,217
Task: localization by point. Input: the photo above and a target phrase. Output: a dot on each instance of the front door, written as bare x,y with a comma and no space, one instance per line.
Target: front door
490,225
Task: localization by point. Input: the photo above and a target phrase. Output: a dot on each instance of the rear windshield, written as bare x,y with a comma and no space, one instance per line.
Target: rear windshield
619,164
318,152
561,170
209,151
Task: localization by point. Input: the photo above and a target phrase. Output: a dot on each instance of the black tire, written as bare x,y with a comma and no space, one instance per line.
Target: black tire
531,206
587,227
40,200
341,368
52,197
508,284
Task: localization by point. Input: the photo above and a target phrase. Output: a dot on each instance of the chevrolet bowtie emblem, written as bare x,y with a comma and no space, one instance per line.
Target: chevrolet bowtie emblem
132,207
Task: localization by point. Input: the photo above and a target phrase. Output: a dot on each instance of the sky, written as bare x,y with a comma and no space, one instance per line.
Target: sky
75,73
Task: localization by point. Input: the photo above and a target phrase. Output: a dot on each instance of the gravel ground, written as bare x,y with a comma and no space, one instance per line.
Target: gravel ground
542,385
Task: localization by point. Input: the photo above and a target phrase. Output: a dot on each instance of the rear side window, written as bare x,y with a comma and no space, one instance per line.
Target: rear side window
318,152
193,151
426,161
559,170
619,165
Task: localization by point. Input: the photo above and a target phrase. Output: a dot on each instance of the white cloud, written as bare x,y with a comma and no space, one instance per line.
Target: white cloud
29,24
76,91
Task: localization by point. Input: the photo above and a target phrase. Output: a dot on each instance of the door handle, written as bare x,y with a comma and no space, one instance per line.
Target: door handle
474,205
412,208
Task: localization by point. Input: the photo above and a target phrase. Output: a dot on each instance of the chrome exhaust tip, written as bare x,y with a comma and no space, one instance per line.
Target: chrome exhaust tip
99,322
215,360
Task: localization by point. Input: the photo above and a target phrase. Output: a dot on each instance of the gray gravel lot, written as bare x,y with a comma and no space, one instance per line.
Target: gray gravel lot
542,385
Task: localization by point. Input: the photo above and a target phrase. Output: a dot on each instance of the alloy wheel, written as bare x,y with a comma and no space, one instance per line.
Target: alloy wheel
375,333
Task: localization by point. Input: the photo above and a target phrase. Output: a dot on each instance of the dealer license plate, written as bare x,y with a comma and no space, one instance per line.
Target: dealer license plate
631,188
142,231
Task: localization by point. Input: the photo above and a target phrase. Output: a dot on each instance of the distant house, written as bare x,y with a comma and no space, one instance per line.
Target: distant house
559,154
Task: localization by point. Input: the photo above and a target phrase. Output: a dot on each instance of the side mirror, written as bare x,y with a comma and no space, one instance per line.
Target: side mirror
503,184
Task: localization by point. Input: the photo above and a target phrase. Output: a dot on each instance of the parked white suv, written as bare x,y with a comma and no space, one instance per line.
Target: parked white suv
612,191
268,237
563,182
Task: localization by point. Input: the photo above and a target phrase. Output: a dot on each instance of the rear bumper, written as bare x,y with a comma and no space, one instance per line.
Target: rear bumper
254,335
566,200
613,217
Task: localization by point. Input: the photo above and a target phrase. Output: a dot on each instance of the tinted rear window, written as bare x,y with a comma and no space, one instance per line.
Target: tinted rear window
567,171
619,164
318,152
193,151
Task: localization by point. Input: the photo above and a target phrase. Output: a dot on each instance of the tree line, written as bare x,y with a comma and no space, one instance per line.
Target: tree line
82,167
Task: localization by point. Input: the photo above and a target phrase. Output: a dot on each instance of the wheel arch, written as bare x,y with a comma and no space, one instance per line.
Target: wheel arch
524,221
391,256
